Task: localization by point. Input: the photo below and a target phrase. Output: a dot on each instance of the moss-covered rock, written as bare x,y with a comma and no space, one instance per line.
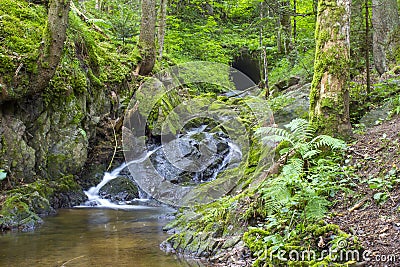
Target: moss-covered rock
23,206
44,137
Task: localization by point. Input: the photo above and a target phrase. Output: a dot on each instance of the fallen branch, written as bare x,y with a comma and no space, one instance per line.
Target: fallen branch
87,20
18,69
358,205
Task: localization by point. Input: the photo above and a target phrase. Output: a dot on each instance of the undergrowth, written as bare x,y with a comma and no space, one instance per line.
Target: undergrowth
286,211
291,205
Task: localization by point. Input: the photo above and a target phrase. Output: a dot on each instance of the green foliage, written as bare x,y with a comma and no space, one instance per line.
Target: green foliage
383,185
300,137
21,30
3,174
304,67
384,92
279,102
299,196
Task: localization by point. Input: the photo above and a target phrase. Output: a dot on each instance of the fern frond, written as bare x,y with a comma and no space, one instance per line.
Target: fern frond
311,153
316,208
295,124
301,129
293,168
276,195
274,134
328,141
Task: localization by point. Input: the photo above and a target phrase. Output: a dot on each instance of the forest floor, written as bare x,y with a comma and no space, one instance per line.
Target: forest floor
372,211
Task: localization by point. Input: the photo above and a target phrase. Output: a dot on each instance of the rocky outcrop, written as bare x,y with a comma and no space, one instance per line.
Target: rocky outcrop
285,83
44,137
293,103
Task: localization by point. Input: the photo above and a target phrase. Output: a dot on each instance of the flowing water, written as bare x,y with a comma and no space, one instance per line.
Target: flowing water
99,232
92,237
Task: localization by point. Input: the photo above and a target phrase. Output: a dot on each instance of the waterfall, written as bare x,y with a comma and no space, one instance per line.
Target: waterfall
194,157
95,200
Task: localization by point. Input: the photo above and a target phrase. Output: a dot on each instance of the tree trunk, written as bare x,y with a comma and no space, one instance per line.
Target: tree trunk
147,46
52,45
286,25
161,27
385,19
367,63
264,63
329,96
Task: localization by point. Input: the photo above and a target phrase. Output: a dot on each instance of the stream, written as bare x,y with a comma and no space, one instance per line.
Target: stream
96,233
101,232
92,237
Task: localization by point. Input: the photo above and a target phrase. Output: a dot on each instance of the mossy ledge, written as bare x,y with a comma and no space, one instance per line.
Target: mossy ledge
45,136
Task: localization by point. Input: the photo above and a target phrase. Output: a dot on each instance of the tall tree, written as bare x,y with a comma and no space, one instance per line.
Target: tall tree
264,61
385,19
161,27
53,43
147,45
284,37
329,96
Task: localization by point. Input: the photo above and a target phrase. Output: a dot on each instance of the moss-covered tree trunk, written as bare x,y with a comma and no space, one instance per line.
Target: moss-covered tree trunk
329,97
161,27
386,22
52,45
147,46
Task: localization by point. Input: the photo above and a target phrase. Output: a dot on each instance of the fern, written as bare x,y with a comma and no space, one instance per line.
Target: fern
328,141
298,195
299,133
316,207
301,184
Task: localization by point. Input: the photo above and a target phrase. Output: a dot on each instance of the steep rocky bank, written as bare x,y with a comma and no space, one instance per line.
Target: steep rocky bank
45,136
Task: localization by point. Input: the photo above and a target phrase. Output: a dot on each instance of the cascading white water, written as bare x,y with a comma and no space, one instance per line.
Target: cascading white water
234,152
93,192
233,157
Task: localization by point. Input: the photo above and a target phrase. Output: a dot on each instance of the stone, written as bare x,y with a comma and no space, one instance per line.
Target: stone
297,108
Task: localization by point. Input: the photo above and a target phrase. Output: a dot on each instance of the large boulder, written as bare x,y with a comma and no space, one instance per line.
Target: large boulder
193,158
296,105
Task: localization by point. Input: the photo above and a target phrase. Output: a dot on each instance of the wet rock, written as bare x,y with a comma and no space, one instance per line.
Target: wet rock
121,189
16,155
192,158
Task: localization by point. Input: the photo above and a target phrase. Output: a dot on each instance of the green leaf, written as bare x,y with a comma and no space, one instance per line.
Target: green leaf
3,174
381,197
82,132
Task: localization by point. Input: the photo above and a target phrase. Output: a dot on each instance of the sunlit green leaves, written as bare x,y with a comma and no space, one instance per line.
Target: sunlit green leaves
3,175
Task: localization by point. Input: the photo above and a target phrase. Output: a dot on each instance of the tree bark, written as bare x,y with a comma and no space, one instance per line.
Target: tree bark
52,45
329,96
385,19
147,46
367,63
264,63
286,25
161,27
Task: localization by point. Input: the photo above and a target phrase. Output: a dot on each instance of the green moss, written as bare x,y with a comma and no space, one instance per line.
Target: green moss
330,60
24,204
21,30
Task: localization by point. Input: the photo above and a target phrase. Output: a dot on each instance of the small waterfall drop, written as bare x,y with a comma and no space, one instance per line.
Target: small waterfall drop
197,156
95,200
